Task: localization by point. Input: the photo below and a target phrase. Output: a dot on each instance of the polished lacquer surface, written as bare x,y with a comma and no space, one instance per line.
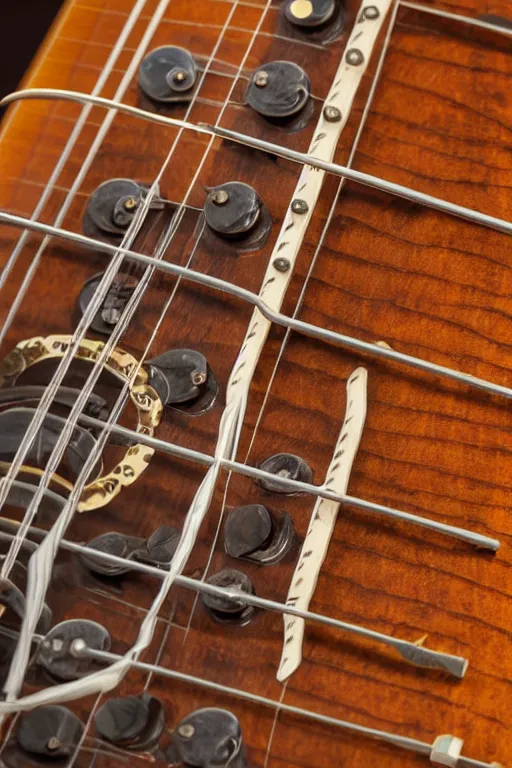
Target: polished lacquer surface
372,266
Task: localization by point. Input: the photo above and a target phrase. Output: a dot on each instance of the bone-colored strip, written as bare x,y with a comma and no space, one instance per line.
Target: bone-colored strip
322,147
323,520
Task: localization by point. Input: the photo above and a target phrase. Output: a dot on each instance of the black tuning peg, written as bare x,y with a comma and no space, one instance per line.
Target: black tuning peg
309,13
119,293
111,543
183,380
252,533
50,732
112,206
229,610
286,465
168,74
55,653
158,550
279,89
131,722
208,738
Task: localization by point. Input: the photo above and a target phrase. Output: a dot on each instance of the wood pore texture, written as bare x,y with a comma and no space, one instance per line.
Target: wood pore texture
428,284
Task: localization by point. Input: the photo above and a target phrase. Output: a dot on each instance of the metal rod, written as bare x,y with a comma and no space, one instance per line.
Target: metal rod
414,654
80,649
487,25
367,179
476,539
306,329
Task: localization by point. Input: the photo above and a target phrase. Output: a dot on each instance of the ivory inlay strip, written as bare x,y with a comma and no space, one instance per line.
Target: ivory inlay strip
323,520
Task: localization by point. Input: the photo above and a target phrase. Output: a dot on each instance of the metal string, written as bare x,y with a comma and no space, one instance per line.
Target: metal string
53,461
307,329
362,122
98,140
260,415
92,307
367,179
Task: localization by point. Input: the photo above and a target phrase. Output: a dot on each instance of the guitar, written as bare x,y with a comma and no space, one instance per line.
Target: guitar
255,385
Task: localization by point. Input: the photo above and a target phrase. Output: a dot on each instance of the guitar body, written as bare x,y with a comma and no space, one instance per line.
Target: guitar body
385,269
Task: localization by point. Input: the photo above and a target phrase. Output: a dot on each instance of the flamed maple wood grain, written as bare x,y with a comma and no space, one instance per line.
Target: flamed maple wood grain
427,284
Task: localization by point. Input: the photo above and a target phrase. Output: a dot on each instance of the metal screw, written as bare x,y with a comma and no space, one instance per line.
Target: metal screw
53,743
371,12
220,197
186,731
130,204
78,648
198,378
282,265
179,76
299,206
354,57
332,114
261,79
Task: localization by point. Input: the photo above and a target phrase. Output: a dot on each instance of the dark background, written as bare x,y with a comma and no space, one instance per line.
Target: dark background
23,26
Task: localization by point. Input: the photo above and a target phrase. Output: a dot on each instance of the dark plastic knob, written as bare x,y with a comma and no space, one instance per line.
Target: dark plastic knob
279,89
52,732
132,722
232,209
168,74
226,609
56,650
309,13
208,738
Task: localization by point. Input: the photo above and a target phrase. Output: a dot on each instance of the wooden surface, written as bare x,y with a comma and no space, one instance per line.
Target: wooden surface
427,284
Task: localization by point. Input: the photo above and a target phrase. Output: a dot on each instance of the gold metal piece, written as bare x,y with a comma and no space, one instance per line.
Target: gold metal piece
130,204
301,9
145,398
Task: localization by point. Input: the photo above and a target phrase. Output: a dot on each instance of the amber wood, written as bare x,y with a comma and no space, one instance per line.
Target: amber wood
425,283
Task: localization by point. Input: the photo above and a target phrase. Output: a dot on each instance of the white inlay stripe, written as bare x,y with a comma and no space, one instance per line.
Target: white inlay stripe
323,520
322,147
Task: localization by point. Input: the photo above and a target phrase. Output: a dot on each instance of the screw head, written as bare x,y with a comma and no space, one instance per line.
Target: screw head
198,378
186,731
220,197
179,76
53,743
299,206
261,78
332,114
371,12
130,204
281,264
354,57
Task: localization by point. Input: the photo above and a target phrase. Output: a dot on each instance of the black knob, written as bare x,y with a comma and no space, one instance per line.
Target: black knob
279,89
208,738
131,722
286,465
309,13
253,533
168,74
228,609
183,380
52,732
232,210
56,651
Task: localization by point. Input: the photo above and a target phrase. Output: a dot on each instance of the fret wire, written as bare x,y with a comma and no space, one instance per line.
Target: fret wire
307,329
375,182
80,649
414,654
474,22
